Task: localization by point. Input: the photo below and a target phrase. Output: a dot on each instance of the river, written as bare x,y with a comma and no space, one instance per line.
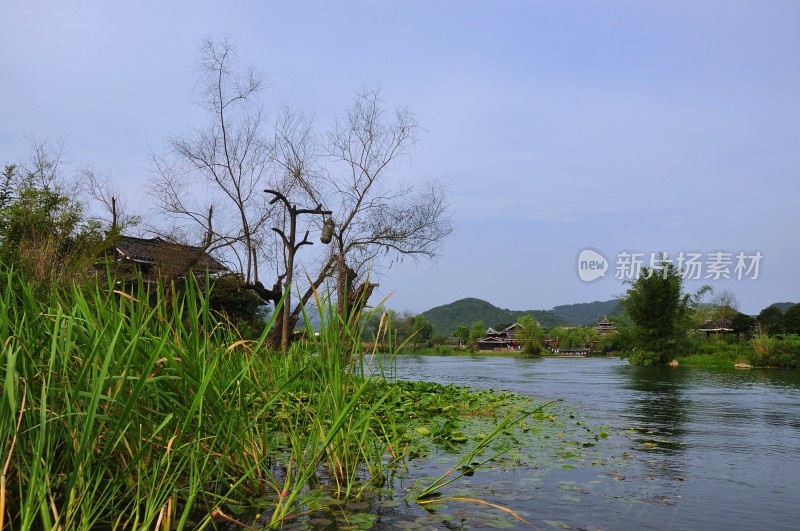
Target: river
694,448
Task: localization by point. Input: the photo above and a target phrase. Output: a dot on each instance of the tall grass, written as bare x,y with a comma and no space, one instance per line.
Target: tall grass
121,414
329,417
142,409
777,351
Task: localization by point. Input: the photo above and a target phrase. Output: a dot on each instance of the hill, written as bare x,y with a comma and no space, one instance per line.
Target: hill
783,306
445,319
587,313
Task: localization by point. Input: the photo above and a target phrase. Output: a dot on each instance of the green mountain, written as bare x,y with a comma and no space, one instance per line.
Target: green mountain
783,306
445,319
587,313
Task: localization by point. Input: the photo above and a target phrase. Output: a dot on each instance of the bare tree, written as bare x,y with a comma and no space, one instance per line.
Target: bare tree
212,182
103,191
45,167
726,299
212,178
374,214
726,306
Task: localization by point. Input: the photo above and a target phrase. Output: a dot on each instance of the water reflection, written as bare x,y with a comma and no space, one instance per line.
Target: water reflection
705,449
657,406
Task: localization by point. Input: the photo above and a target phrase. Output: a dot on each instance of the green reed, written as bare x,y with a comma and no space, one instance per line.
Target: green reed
121,413
327,416
141,408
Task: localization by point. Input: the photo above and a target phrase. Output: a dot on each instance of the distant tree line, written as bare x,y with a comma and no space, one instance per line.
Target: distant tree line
661,323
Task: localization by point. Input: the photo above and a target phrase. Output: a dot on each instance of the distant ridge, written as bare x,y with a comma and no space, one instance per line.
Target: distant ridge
445,319
783,306
587,313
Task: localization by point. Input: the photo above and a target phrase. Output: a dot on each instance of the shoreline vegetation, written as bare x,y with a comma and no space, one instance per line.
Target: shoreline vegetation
783,352
660,324
142,408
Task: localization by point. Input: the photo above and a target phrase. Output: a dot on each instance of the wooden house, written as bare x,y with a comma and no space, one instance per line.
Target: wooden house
154,257
721,325
504,339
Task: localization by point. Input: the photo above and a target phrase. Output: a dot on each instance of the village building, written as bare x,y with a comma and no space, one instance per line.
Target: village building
605,327
721,325
503,339
154,257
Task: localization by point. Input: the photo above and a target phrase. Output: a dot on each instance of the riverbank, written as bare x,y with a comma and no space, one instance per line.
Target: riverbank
777,352
781,352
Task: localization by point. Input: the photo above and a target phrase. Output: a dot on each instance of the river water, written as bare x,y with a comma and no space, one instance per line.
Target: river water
687,448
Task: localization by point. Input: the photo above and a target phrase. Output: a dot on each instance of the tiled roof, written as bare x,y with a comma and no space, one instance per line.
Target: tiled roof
493,340
719,325
148,250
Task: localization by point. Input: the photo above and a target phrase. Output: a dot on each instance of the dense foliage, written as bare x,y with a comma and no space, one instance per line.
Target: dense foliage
531,335
660,314
43,231
587,314
410,331
783,351
661,323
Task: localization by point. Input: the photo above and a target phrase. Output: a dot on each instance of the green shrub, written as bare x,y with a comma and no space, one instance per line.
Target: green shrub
646,357
778,351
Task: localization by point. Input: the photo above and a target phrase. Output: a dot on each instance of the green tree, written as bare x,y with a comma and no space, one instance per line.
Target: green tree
400,324
6,182
771,320
476,331
743,325
462,332
43,232
568,337
422,329
531,335
791,320
660,313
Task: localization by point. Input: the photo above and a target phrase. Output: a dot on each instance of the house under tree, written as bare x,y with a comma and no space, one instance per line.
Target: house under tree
721,325
156,257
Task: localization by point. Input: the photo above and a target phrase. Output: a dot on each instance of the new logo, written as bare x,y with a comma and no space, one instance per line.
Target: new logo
591,265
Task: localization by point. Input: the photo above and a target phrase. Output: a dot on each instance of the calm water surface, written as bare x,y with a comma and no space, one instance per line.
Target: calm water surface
698,448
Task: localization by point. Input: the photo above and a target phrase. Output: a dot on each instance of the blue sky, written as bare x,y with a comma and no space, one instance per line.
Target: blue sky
558,126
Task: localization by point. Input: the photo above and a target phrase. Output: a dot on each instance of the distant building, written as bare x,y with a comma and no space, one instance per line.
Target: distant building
504,339
721,325
605,327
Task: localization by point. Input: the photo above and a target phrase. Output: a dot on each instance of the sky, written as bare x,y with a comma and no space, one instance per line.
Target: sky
619,128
